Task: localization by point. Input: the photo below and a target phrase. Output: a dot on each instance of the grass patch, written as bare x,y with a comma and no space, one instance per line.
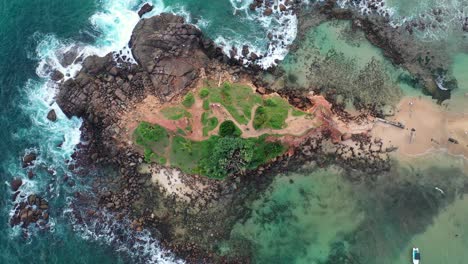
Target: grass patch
152,137
272,114
206,105
209,124
189,100
151,156
296,112
185,154
175,113
237,99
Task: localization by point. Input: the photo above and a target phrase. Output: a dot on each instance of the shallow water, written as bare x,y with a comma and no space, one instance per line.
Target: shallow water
320,216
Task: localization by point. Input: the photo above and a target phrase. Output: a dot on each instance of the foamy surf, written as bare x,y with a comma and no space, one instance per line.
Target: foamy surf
55,142
140,246
282,25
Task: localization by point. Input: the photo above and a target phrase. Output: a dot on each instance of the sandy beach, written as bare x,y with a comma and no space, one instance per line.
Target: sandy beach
428,127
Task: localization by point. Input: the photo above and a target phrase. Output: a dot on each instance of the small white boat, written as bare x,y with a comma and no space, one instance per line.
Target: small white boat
416,256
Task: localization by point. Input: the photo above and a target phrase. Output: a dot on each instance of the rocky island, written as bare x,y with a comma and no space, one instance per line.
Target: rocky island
180,138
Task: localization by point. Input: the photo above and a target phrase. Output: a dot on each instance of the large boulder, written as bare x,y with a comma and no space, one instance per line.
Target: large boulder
146,8
15,184
171,52
29,159
52,116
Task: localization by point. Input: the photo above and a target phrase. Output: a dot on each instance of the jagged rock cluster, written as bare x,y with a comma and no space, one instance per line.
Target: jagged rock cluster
170,55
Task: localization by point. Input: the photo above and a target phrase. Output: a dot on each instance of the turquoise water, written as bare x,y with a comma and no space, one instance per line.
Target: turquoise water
319,216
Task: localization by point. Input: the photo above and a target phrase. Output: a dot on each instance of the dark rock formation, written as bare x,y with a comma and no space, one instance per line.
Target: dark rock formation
52,116
146,8
169,54
33,210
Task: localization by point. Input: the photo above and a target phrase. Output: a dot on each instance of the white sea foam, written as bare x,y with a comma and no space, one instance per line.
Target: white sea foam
141,246
282,24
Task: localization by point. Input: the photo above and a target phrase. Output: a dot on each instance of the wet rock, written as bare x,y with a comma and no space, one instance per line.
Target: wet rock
146,8
270,35
69,56
268,12
30,174
282,7
29,159
34,210
56,76
52,116
245,50
253,56
15,184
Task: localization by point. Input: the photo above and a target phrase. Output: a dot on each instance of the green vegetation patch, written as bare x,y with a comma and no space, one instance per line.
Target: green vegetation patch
296,112
189,100
204,92
224,156
272,114
237,99
185,154
216,157
206,105
175,113
153,137
209,123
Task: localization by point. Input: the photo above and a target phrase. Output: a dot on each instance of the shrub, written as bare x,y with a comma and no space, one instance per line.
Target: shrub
226,156
189,100
229,129
204,93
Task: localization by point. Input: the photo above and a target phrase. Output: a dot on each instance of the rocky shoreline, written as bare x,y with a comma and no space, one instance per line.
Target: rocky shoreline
171,58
